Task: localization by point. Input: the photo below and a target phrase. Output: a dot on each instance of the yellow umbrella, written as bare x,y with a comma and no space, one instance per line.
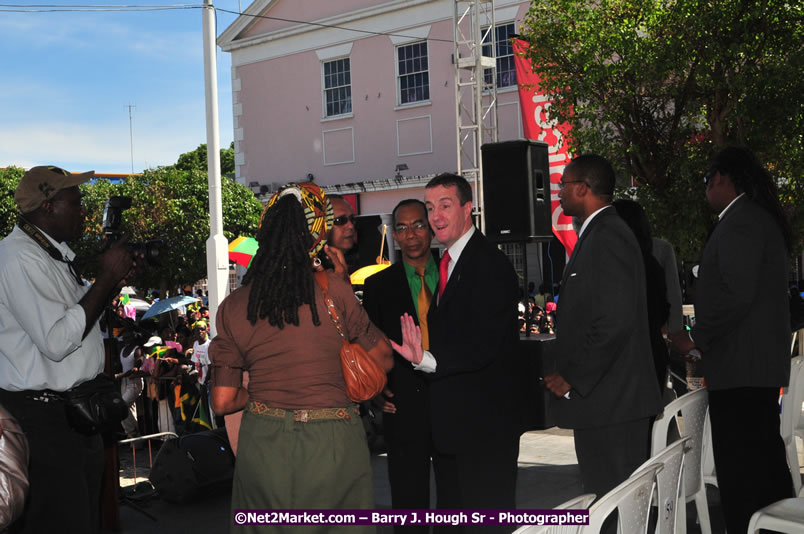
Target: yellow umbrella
358,278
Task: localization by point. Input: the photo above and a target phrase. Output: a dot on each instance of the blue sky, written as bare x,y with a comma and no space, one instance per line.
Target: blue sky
67,78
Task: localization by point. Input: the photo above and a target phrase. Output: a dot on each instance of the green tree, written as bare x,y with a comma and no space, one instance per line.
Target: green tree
658,86
9,178
171,205
197,159
167,203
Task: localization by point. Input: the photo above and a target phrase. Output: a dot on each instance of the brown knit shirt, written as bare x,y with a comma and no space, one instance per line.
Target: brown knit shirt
296,367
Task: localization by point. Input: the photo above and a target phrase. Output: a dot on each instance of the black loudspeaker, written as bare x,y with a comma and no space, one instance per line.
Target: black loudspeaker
516,190
193,466
369,238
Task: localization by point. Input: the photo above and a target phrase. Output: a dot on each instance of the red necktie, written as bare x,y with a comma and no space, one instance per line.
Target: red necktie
443,273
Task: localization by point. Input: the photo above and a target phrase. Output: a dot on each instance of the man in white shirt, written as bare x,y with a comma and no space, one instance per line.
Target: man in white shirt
200,355
50,342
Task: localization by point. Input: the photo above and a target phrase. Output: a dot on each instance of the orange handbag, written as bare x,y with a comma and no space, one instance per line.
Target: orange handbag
363,376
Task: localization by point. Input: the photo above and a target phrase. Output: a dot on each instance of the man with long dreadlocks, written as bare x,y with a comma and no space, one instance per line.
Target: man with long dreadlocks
301,442
742,329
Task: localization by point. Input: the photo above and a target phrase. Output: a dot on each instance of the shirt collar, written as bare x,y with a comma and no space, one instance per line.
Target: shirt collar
722,213
66,251
410,270
589,219
457,247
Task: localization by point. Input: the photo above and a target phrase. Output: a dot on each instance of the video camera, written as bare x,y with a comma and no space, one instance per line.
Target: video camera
112,220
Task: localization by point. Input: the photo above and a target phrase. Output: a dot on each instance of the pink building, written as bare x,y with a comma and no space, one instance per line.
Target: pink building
349,91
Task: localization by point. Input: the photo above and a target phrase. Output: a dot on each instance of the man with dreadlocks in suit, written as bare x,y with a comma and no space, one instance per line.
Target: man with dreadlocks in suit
742,330
301,443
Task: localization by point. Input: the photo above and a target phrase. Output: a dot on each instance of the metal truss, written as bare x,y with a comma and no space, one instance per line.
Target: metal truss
475,91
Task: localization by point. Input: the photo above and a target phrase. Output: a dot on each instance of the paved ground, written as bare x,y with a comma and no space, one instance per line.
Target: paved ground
548,476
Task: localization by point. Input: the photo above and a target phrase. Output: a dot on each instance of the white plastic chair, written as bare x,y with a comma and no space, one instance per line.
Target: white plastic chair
581,502
693,408
708,454
786,515
669,485
791,425
631,499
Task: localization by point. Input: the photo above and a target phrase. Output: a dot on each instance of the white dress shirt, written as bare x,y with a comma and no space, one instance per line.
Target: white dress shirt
41,322
429,363
722,213
589,219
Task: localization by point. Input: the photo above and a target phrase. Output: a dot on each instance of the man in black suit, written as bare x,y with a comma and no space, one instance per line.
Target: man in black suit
742,330
604,379
471,364
388,295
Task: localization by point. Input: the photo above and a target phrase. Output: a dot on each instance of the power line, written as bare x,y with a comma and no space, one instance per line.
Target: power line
79,8
83,8
333,26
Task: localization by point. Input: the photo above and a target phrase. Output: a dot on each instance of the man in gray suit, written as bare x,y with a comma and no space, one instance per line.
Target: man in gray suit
604,379
742,330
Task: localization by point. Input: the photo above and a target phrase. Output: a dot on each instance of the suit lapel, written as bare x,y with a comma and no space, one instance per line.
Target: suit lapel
465,259
575,252
582,239
402,290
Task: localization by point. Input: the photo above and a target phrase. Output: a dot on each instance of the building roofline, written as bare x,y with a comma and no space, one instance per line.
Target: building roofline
228,40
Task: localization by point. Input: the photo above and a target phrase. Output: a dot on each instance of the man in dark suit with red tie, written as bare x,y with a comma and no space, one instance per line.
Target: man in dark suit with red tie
406,287
471,364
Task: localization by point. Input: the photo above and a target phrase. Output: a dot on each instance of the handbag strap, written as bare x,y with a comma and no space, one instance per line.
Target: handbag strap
323,283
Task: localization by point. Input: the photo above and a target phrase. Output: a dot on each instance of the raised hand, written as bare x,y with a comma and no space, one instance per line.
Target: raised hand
411,347
338,261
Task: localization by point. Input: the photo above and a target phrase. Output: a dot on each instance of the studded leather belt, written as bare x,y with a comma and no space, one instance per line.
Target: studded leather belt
303,416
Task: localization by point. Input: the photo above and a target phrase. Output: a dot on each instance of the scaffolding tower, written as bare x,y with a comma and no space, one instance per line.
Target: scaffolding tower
475,91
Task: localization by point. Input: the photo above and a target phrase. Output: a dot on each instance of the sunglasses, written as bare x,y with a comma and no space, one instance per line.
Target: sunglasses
343,219
709,175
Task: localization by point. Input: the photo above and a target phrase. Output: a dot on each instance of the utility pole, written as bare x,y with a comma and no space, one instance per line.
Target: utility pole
217,247
131,133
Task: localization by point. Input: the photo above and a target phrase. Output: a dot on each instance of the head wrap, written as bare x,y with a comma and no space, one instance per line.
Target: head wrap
317,210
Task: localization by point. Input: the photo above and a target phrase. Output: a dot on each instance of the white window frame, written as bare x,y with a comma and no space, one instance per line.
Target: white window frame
504,58
348,87
400,76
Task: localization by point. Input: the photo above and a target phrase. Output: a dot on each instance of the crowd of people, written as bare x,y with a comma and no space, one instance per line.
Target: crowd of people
163,378
445,327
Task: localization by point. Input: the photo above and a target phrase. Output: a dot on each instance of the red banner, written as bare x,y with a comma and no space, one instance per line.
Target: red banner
538,127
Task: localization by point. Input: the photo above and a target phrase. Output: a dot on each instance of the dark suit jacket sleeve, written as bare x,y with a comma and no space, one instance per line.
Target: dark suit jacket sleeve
386,296
372,300
603,296
730,268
